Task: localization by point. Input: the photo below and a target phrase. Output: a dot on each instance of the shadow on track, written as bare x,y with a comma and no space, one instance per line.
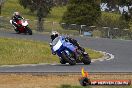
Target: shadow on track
78,64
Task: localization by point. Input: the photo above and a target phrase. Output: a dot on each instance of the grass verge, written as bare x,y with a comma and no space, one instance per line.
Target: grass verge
9,80
14,51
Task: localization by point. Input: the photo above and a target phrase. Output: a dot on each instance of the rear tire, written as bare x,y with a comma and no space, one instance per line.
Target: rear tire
86,59
70,60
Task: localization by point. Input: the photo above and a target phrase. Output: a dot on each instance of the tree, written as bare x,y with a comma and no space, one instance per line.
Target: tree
1,4
130,26
0,7
42,8
112,4
127,3
82,12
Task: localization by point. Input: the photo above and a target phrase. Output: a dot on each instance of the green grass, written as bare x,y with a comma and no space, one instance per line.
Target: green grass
94,54
11,6
14,51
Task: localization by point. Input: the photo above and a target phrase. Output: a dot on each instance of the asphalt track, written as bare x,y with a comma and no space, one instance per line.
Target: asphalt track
121,49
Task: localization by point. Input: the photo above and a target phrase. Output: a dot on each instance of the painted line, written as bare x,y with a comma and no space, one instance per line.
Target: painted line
24,65
107,56
111,57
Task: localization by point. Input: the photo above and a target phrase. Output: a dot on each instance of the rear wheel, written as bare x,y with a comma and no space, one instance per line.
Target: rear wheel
70,60
86,59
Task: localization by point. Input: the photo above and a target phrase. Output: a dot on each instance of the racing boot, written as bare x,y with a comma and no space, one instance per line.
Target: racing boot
80,48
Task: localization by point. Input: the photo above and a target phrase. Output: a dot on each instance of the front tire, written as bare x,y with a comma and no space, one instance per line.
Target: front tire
17,31
62,61
70,60
29,31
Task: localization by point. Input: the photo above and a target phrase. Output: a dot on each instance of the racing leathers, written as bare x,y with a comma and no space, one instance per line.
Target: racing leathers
15,19
75,43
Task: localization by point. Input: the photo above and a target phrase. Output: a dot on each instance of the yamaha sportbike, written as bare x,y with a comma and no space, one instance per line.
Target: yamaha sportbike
68,53
22,27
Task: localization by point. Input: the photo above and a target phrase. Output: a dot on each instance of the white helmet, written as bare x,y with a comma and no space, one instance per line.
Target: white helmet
16,13
54,34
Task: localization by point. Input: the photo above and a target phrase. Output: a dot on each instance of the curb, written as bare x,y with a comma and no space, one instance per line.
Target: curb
106,56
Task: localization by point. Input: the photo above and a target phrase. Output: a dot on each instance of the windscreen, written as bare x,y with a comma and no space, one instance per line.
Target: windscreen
55,41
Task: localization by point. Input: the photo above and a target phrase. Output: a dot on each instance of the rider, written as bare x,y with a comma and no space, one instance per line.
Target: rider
16,16
71,40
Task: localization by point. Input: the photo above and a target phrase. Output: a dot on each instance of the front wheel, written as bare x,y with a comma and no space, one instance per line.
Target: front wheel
62,61
29,31
17,31
70,60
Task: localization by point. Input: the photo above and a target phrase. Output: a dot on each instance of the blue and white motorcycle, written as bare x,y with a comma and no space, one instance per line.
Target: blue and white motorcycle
66,51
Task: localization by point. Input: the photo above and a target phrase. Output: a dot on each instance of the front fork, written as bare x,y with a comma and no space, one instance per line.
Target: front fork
68,54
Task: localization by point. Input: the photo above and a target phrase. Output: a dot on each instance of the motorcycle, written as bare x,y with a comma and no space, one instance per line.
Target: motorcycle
66,51
22,27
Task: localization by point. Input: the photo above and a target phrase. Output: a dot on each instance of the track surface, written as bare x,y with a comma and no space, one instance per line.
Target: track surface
121,49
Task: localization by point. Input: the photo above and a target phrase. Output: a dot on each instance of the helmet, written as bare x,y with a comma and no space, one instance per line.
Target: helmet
54,34
16,13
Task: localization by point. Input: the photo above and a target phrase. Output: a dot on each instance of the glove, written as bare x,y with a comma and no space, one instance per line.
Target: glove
66,39
50,44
